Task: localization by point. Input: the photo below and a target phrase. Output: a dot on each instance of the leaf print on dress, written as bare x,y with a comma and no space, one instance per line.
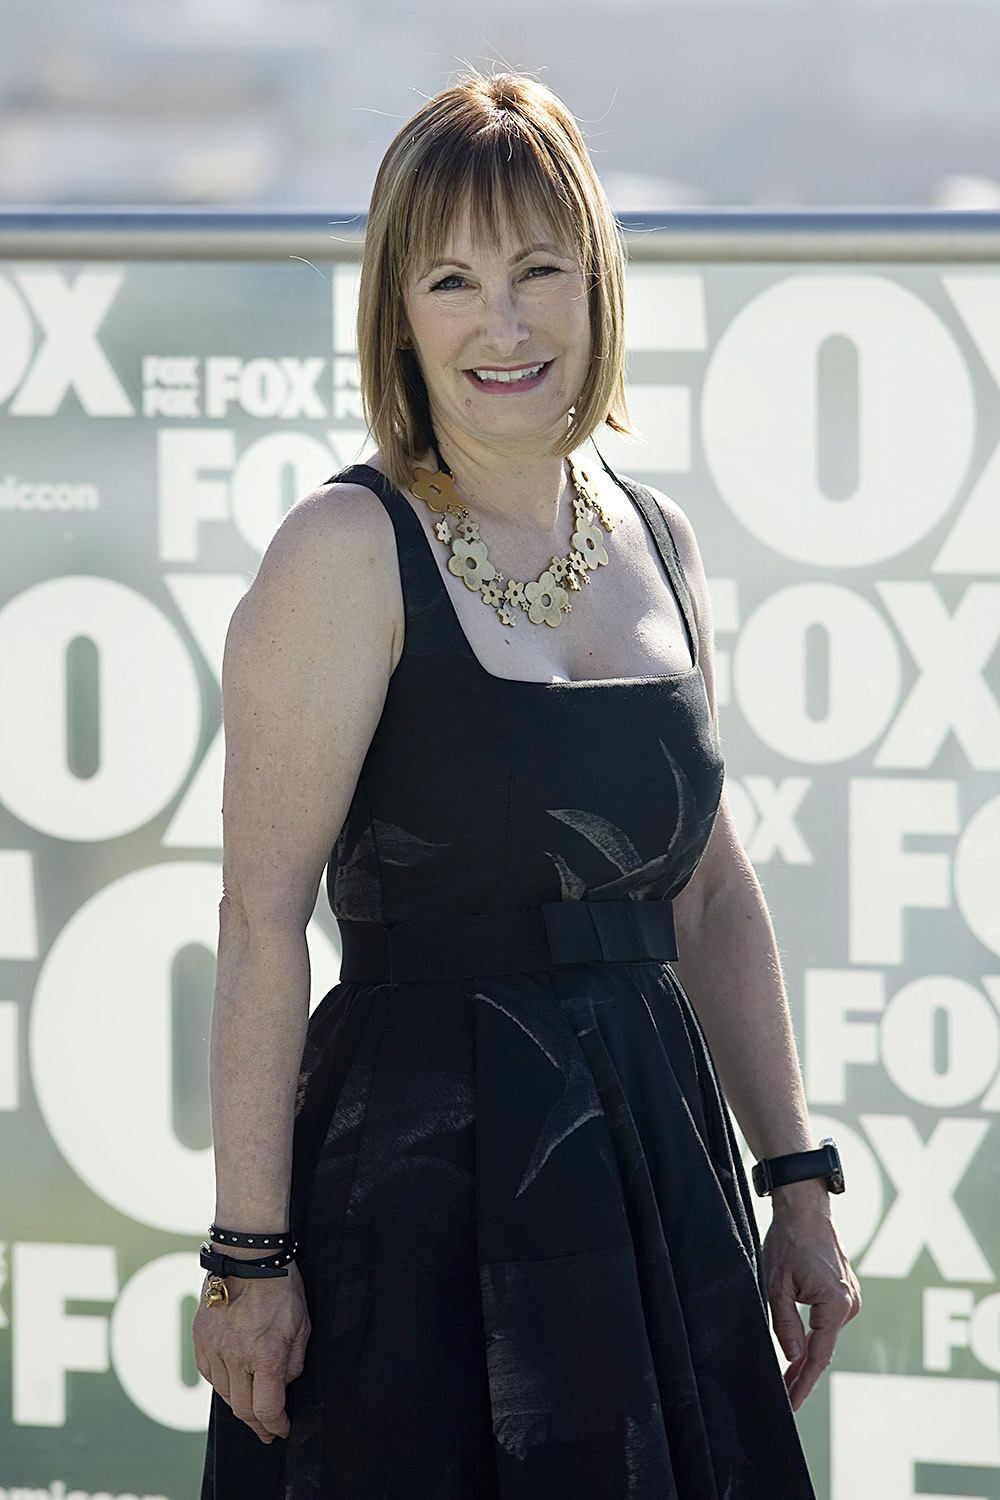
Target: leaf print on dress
357,889
357,884
690,834
687,834
572,887
402,1116
550,1327
613,843
406,1180
579,1100
397,846
638,878
610,840
617,848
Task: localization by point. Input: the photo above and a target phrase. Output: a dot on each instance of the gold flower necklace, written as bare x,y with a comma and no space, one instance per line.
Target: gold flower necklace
545,599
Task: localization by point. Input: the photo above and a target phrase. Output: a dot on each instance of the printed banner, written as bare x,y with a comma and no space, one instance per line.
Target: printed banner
833,431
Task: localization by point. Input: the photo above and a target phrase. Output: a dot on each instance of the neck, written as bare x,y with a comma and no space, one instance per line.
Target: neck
522,488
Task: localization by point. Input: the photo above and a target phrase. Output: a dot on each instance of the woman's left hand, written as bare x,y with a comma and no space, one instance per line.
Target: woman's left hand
805,1262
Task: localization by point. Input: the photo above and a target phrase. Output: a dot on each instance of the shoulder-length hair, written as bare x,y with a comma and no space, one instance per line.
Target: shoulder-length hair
503,145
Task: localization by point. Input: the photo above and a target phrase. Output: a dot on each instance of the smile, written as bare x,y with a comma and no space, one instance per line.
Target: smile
526,376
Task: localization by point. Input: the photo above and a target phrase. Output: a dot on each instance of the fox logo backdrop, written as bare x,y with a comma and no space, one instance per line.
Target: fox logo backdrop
833,431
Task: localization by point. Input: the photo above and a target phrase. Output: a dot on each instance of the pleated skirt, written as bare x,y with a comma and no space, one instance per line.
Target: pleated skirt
529,1253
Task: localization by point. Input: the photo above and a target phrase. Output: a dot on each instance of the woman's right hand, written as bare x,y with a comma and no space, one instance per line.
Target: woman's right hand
249,1348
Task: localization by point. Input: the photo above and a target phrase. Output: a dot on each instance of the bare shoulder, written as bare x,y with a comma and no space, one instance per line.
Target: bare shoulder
687,550
680,527
327,593
684,538
694,572
328,533
333,553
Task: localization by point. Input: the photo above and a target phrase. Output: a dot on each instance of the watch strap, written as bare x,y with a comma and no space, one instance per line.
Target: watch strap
799,1166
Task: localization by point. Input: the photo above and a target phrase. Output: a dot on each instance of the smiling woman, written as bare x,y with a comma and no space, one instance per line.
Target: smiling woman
510,1253
521,184
527,307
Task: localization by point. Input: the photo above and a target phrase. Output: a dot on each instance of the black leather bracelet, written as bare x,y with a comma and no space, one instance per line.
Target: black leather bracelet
255,1241
799,1166
225,1265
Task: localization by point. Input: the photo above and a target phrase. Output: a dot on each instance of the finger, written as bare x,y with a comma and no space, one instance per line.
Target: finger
297,1355
826,1318
242,1387
801,1383
202,1362
820,1343
269,1404
203,1355
785,1320
218,1375
792,1372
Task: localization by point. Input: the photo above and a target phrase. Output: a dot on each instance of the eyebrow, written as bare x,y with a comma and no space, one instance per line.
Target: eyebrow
544,247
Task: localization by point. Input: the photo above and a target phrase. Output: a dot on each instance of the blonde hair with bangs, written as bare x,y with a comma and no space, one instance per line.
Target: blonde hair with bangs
505,146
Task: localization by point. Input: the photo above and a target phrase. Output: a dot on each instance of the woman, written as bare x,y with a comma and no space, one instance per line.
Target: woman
526,1264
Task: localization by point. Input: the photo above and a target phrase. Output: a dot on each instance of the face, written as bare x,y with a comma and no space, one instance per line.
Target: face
502,337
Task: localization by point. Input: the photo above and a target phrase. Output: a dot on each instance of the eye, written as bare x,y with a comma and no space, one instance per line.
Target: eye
443,286
542,270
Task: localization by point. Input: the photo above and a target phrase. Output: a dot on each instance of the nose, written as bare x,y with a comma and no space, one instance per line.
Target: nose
502,328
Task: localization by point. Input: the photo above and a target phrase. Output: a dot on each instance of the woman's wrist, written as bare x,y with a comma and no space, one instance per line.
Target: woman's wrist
248,1215
798,1199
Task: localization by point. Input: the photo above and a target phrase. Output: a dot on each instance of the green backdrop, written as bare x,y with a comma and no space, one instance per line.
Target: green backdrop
833,430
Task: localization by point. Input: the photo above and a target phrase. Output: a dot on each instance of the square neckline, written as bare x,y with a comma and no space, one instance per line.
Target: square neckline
466,647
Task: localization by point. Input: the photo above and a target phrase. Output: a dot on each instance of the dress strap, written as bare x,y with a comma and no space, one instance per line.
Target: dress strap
652,513
431,625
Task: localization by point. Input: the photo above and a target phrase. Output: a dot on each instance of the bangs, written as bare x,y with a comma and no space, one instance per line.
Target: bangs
499,178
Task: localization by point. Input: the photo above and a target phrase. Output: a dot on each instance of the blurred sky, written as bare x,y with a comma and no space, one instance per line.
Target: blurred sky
292,102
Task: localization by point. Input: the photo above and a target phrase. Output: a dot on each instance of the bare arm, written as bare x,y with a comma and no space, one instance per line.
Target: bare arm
731,971
308,657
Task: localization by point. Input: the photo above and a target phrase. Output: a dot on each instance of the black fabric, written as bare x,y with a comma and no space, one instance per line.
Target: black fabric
526,1236
513,942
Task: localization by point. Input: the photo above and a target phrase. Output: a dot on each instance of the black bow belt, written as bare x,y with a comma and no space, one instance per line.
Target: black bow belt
511,942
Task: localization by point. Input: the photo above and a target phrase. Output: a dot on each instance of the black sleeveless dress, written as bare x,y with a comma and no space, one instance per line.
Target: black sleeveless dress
527,1242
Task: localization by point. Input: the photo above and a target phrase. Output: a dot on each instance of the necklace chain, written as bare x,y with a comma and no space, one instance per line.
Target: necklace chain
545,599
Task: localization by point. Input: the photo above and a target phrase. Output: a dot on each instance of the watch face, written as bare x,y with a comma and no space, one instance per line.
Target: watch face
835,1179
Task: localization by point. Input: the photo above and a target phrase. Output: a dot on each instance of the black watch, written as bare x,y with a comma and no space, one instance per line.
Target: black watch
776,1171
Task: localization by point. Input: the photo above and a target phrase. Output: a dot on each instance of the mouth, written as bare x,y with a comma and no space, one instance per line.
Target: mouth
524,377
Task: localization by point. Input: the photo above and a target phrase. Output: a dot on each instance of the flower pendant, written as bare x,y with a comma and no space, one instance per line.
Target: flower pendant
469,562
545,599
436,490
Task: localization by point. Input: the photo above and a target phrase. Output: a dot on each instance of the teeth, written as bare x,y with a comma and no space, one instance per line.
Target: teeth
507,377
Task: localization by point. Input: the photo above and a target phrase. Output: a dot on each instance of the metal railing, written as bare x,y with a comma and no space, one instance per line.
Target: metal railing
683,234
